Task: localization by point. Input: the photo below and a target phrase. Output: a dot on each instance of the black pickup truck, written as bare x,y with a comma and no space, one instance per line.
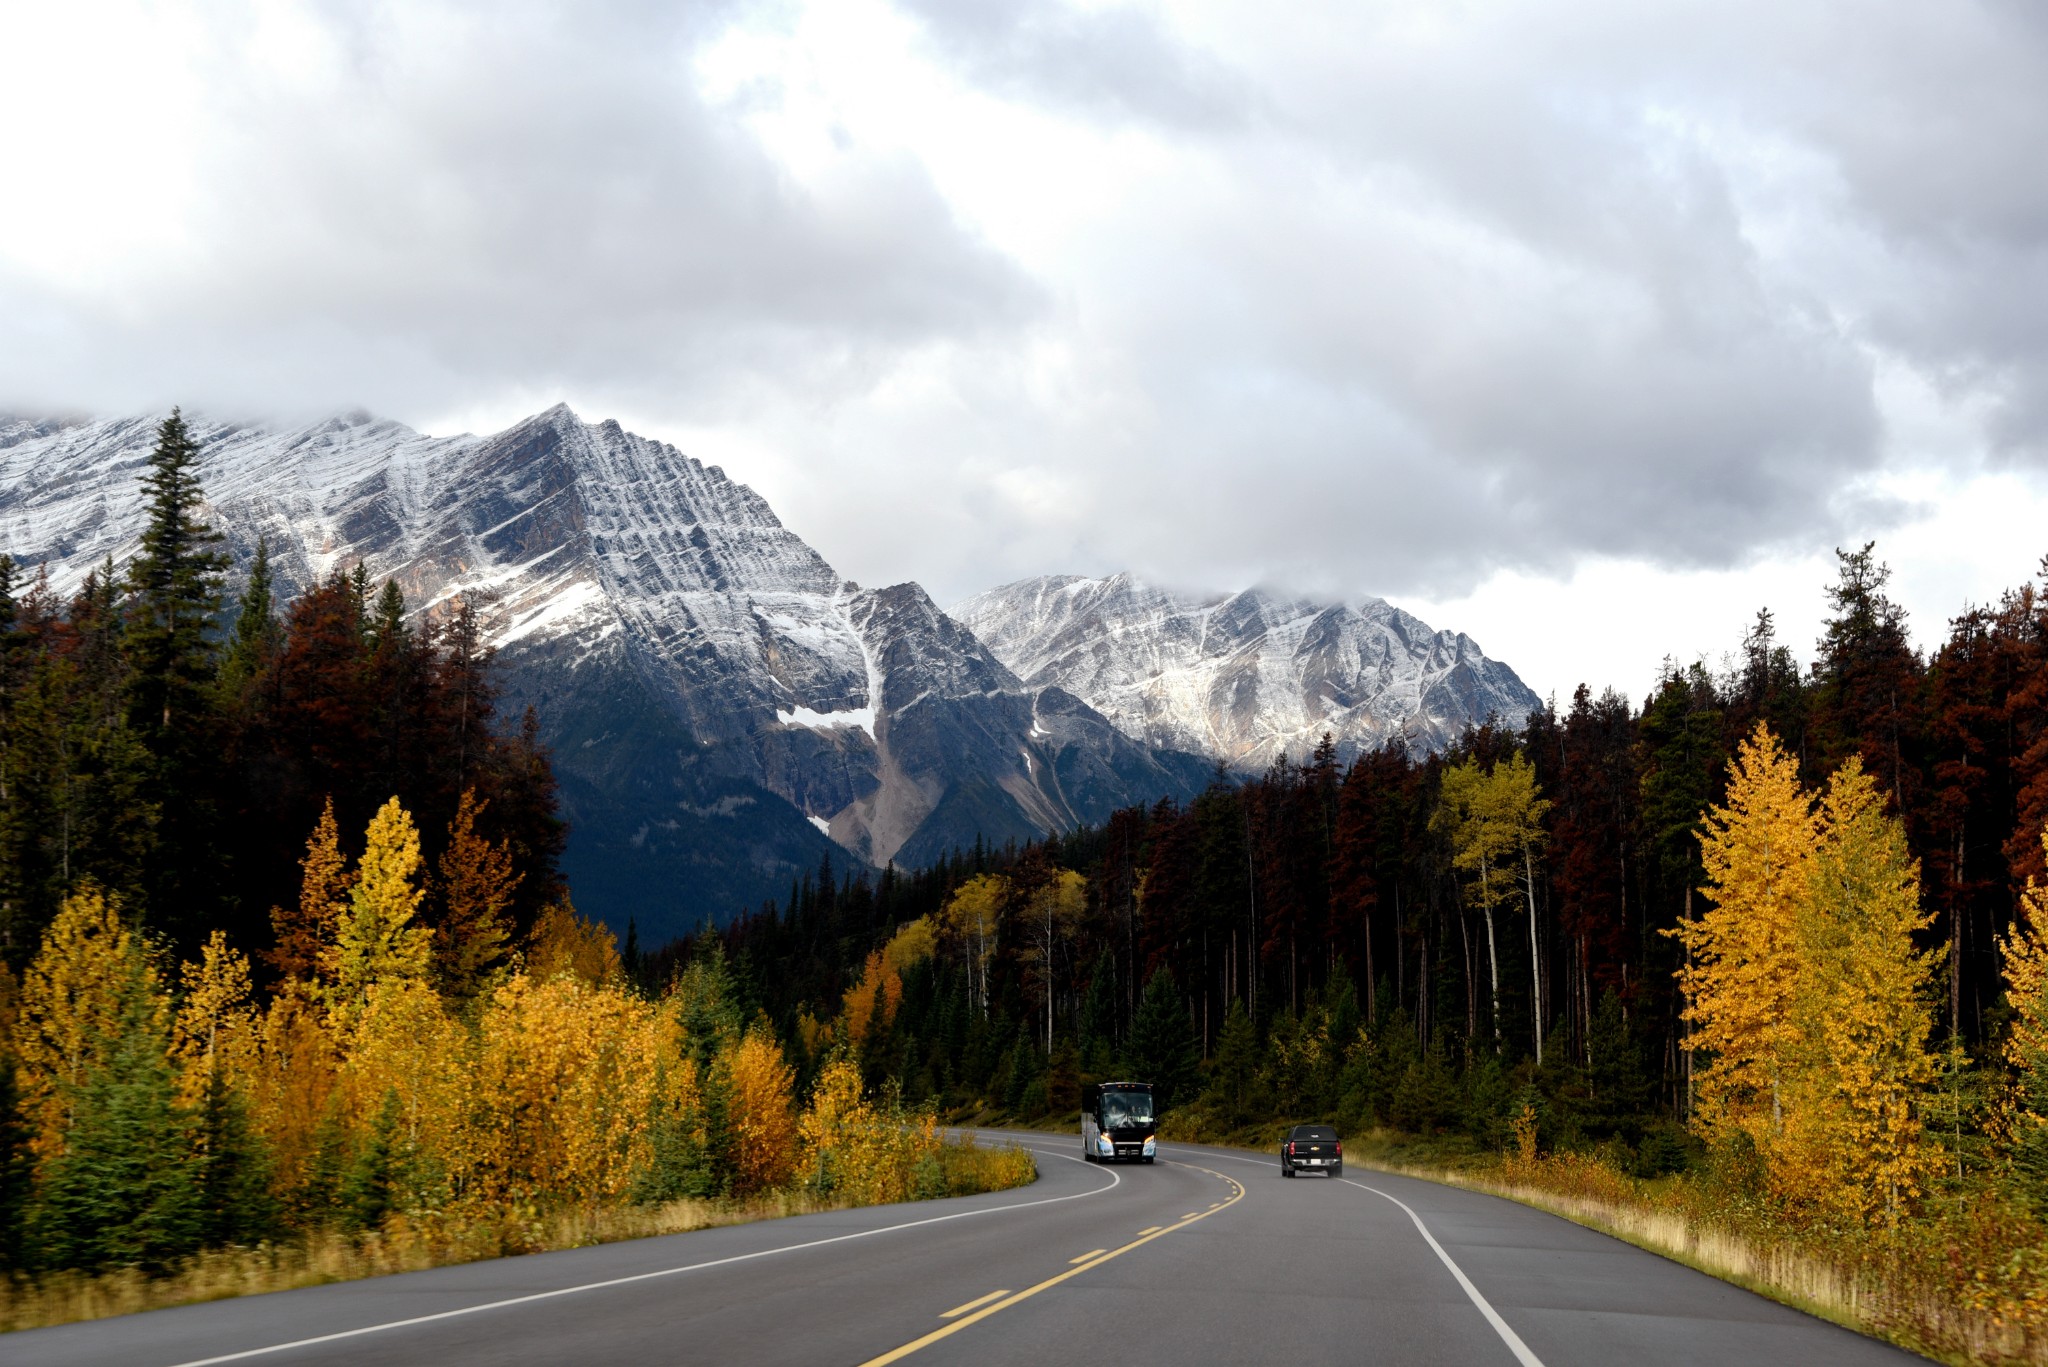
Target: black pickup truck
1311,1148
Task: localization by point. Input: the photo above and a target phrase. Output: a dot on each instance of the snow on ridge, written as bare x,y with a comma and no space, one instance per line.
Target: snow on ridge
862,717
1241,676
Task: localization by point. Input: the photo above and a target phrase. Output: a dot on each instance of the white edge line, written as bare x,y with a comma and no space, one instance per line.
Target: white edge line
1114,1181
1500,1326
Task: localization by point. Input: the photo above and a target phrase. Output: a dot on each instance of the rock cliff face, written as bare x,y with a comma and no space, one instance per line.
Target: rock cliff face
1244,677
718,699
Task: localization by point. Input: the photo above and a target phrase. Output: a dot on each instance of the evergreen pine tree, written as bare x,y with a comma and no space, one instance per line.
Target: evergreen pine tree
1163,1050
175,583
235,1204
122,1191
174,598
376,1180
1234,1078
255,639
17,1169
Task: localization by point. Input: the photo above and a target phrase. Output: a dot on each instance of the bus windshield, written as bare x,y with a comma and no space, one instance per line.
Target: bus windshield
1126,1110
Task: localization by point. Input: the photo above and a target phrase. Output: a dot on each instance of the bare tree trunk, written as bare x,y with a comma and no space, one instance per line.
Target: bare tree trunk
1535,948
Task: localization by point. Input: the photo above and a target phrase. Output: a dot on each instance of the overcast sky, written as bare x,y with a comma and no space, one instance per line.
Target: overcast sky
1586,327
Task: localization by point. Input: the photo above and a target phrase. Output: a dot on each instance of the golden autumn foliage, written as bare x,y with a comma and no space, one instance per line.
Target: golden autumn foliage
1808,999
912,944
870,1004
376,940
381,1088
970,921
1742,956
851,1147
216,1021
566,1070
564,943
477,883
305,933
763,1114
71,1001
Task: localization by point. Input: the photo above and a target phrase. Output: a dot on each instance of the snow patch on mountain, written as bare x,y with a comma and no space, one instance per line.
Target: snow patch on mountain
1248,676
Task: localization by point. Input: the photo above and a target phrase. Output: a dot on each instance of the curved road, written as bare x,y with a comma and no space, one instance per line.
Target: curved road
1206,1257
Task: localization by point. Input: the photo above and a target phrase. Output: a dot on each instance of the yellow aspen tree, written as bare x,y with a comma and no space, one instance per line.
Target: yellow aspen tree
834,1133
401,1039
477,883
375,939
305,946
294,1074
870,1004
71,1002
763,1115
971,920
215,1024
913,943
1864,1015
1051,915
564,1089
1743,964
2024,1110
563,942
1483,846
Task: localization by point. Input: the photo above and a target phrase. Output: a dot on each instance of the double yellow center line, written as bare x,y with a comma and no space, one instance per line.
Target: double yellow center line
1083,1264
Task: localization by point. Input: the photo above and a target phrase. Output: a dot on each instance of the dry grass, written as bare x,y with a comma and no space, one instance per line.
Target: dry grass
413,1245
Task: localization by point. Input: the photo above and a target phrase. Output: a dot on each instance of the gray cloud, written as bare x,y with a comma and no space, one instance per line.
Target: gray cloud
1391,296
525,196
1115,63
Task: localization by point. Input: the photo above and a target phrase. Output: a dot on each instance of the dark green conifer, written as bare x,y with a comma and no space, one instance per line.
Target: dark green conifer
1163,1051
1234,1078
236,1206
175,586
256,636
376,1183
123,1192
17,1170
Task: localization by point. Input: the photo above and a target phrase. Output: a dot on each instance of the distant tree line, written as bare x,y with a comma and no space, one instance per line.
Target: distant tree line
1502,921
173,749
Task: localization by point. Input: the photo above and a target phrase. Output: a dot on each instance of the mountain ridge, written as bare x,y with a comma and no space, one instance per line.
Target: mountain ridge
719,700
1248,676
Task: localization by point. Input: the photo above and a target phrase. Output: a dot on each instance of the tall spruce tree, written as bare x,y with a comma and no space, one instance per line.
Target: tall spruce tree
256,637
235,1204
174,597
1163,1050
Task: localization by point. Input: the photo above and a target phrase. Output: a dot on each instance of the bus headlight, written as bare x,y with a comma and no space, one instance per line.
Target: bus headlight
1151,1145
1103,1142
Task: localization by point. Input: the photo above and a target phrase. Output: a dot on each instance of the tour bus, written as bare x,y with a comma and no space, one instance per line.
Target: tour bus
1117,1123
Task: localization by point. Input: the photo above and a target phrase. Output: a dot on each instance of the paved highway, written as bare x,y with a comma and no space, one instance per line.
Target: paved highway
1208,1256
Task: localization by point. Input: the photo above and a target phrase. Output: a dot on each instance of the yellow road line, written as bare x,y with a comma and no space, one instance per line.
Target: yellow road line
1151,1229
1092,1253
895,1355
1194,1214
978,1300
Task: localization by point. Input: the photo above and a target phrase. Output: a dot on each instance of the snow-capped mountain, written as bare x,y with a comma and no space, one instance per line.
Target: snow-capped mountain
1247,676
718,699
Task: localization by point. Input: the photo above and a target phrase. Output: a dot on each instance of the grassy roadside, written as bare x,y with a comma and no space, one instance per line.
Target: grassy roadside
405,1244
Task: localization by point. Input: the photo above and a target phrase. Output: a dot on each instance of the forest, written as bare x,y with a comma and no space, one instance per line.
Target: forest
286,961
1505,915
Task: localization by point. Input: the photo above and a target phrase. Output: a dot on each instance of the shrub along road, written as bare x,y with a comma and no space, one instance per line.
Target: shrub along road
1207,1257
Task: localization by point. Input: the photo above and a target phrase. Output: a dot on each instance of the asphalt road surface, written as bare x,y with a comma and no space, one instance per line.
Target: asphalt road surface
1208,1256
